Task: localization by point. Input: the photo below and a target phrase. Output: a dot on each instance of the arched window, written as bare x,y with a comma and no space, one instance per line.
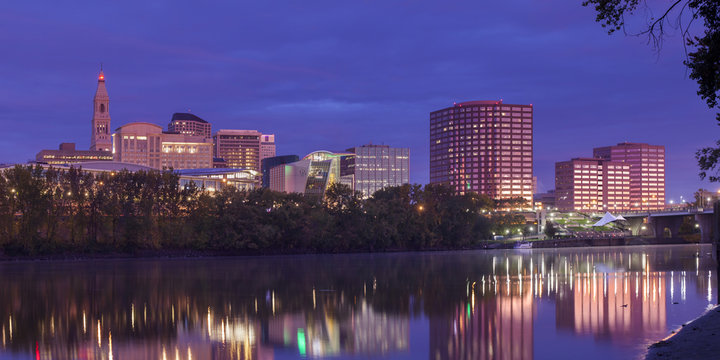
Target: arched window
102,108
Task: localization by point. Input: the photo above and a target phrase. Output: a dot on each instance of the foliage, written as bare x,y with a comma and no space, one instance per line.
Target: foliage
550,230
46,211
703,59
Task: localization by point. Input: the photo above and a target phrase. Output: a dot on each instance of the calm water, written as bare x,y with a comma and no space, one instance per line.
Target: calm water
601,303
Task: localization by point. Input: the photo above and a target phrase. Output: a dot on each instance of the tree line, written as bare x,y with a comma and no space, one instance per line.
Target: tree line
50,211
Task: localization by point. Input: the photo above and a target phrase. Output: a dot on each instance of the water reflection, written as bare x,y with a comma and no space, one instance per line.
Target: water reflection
470,305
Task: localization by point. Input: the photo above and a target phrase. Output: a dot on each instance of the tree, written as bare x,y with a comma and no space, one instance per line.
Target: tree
703,57
550,230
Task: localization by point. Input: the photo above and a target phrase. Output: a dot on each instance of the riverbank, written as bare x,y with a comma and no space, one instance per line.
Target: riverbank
572,243
699,339
194,253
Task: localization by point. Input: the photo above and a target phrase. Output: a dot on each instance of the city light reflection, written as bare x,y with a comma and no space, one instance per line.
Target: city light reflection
473,313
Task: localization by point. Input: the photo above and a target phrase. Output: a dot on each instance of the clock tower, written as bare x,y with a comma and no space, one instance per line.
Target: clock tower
100,138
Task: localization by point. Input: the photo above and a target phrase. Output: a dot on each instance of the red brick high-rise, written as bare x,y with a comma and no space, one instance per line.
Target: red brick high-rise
484,147
647,172
590,184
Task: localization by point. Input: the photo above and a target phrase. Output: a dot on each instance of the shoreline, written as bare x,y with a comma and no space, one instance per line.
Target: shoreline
697,339
194,254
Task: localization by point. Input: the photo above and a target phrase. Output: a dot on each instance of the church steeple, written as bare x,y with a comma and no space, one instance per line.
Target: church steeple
100,138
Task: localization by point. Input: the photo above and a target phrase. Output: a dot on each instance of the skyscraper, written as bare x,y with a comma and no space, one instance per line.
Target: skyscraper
239,148
484,147
100,138
377,166
647,172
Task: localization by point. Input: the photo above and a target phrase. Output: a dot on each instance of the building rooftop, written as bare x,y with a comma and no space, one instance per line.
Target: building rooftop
479,102
187,117
213,171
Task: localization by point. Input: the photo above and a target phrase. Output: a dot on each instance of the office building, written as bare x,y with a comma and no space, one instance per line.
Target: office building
647,172
146,144
100,137
189,124
68,154
374,167
243,148
267,147
591,184
271,162
484,147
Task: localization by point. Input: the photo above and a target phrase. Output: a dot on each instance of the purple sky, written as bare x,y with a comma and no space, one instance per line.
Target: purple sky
335,74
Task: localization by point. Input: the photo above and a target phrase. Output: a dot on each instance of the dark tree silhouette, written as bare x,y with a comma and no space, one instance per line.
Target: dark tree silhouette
702,47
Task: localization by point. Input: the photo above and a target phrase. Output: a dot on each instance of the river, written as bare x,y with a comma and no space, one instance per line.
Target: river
593,303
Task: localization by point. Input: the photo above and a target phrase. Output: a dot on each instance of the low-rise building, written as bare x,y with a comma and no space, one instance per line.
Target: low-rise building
68,154
208,179
271,162
310,176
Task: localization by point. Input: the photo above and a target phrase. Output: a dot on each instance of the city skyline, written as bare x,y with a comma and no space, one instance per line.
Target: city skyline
323,86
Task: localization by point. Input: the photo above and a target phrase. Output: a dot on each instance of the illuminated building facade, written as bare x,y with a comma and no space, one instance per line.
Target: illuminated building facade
377,166
146,144
311,175
243,148
100,137
208,179
67,154
647,172
271,162
189,124
484,147
589,184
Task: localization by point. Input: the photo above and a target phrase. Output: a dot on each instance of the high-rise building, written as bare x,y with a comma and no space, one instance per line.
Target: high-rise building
484,147
190,124
243,148
591,184
67,154
268,163
267,146
146,144
100,137
647,172
377,166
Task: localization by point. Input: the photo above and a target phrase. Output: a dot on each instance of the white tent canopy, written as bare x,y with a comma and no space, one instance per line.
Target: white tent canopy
620,218
606,219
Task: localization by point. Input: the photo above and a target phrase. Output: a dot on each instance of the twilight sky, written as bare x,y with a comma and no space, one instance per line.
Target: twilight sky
335,74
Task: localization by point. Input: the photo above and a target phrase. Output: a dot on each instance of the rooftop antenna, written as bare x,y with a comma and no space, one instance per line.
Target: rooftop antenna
101,64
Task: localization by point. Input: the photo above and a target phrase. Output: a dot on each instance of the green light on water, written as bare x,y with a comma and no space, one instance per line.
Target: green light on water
468,310
301,341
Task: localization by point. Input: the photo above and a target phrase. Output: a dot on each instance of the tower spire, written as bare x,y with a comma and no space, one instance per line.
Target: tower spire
100,138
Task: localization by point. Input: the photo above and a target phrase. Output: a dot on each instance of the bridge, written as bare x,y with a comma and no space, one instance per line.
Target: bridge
657,222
